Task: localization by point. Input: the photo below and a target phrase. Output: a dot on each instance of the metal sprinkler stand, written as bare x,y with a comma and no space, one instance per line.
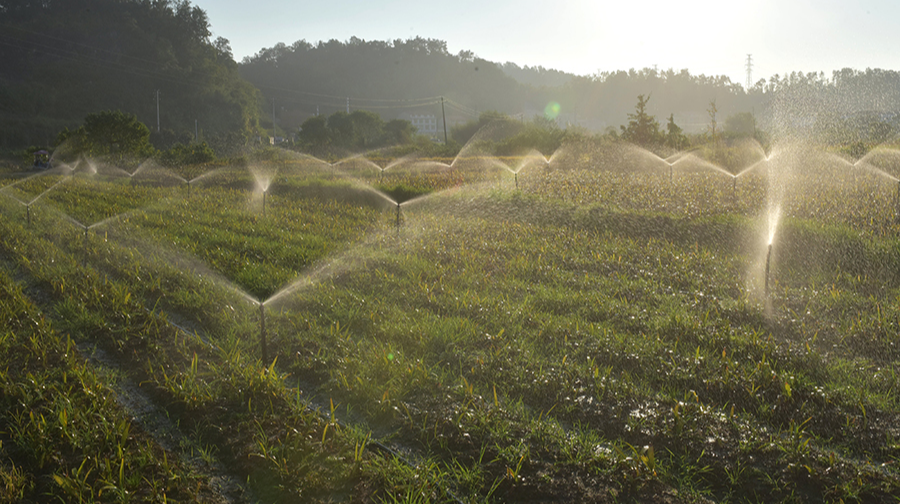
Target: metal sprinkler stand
398,215
517,180
262,333
85,251
28,214
768,261
898,200
264,201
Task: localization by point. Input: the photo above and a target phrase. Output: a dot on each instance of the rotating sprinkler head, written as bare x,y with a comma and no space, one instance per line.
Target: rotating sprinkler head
768,261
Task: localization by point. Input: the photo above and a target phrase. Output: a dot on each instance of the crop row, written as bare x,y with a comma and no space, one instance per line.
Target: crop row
520,344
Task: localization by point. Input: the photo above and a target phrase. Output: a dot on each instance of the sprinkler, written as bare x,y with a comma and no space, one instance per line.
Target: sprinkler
898,199
671,173
398,215
517,180
262,333
768,260
264,201
85,252
28,214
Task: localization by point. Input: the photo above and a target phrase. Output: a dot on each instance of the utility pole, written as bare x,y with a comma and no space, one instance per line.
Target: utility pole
749,71
444,116
157,110
273,121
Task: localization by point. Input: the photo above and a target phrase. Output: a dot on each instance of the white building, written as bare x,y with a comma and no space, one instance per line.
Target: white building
425,124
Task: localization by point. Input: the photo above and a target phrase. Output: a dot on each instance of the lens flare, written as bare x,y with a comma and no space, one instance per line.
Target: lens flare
551,111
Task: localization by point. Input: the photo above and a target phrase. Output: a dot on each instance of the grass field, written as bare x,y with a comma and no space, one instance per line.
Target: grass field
592,327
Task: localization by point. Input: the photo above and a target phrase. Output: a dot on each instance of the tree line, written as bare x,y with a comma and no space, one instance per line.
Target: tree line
66,59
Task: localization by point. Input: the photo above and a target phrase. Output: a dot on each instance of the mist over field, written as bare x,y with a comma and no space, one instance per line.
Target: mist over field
375,271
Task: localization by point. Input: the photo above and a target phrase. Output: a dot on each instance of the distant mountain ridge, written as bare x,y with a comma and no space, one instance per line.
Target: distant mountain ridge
64,59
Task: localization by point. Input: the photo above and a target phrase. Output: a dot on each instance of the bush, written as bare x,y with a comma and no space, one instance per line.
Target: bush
191,154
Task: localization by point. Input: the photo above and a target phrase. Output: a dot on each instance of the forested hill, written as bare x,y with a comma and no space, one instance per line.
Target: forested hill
64,59
537,76
61,60
411,76
386,77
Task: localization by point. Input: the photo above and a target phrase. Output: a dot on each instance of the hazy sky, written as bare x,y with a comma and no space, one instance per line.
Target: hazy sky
711,37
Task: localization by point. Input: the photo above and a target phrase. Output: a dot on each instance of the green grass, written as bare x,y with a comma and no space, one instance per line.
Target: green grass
595,336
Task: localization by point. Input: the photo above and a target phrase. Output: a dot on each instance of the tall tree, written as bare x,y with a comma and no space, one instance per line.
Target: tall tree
674,136
713,121
642,128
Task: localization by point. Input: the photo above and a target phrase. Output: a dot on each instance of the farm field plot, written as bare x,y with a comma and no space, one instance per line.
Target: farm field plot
589,327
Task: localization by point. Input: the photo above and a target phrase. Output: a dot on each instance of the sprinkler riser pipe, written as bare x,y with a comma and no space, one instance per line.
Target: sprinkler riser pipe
262,334
264,203
398,215
85,251
898,199
768,262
